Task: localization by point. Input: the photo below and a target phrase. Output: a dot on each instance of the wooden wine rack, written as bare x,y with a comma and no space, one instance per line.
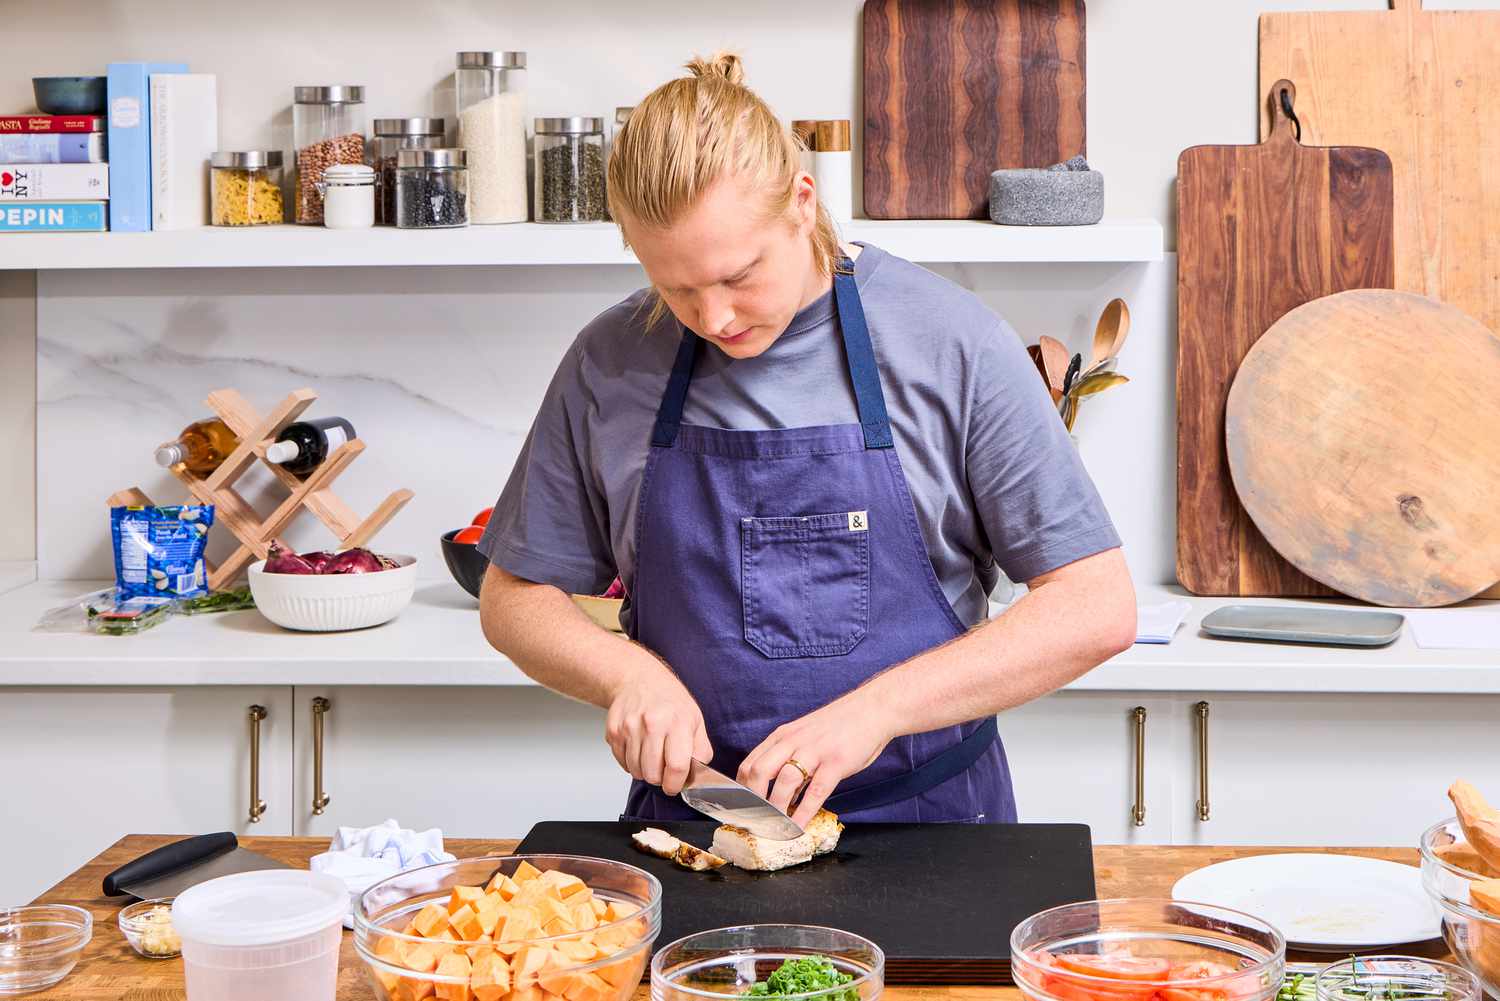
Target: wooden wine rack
313,492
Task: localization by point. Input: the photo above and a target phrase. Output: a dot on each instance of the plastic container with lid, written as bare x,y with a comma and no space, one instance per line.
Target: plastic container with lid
262,936
432,189
328,127
348,193
391,135
246,188
570,169
491,95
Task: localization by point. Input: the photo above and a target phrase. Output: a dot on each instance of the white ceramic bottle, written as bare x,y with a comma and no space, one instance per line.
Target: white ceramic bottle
833,169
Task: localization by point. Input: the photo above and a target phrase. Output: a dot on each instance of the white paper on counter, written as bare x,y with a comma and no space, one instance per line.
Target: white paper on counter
1474,628
1159,623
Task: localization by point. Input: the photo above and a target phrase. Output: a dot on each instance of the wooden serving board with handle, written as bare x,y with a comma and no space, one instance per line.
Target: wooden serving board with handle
1361,438
1423,85
957,89
1261,229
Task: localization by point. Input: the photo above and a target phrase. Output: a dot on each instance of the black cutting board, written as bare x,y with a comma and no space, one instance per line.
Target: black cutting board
940,899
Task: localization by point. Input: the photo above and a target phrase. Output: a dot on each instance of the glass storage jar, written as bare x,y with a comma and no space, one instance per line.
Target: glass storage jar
347,193
432,189
245,188
491,92
569,169
328,127
390,136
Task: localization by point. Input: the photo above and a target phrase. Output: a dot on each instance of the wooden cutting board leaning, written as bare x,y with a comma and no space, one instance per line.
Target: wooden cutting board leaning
1423,85
1261,230
1361,437
956,89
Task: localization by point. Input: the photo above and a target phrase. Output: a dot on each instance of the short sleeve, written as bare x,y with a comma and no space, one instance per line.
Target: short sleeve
1035,500
550,524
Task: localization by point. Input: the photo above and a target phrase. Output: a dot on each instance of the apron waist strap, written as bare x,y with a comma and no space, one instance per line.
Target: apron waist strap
930,774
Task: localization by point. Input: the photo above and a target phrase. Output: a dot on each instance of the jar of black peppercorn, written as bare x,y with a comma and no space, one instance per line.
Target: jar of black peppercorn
391,135
569,155
432,188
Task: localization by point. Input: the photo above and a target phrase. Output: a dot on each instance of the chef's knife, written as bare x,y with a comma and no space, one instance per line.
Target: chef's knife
172,868
728,802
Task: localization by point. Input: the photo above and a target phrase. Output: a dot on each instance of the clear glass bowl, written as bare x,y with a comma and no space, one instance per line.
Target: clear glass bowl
1472,934
40,945
1179,932
385,908
1371,978
154,938
719,964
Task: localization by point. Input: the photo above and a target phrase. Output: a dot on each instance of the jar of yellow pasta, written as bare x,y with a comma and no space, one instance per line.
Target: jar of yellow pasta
246,188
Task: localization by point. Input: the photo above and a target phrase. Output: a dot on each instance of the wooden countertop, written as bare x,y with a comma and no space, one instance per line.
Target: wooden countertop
111,971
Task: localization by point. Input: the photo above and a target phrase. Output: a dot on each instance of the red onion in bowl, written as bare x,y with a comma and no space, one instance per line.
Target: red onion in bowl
354,561
281,561
319,560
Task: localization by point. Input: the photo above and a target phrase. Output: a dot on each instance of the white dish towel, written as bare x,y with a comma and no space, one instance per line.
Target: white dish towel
363,856
1158,623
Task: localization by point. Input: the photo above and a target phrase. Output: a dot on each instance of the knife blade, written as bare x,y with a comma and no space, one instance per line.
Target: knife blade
722,798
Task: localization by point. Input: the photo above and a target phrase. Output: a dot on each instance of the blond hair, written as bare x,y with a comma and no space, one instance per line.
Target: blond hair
690,132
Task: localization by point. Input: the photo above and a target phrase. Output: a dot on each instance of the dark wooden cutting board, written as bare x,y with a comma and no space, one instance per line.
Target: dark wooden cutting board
1261,230
956,89
940,899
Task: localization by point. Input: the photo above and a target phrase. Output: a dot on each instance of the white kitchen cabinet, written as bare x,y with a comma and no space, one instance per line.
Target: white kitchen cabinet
1073,757
86,766
1304,769
477,762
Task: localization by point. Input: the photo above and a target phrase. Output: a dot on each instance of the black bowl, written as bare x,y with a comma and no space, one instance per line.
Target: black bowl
465,562
69,95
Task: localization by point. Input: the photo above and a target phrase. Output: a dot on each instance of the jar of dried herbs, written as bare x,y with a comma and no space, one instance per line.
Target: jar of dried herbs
391,135
569,163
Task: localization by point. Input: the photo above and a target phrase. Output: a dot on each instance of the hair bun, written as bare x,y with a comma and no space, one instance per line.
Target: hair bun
723,64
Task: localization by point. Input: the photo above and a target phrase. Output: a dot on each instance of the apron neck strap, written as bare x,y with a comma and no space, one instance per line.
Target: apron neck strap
859,356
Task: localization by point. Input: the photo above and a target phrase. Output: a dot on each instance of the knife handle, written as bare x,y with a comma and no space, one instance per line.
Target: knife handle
168,859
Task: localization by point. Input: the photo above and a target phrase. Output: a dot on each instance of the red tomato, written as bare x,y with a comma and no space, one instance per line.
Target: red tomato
1202,969
469,535
1118,966
483,517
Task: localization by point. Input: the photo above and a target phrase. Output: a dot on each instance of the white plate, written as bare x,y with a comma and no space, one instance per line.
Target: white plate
1322,902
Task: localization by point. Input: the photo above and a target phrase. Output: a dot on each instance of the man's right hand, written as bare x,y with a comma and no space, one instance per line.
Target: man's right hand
655,728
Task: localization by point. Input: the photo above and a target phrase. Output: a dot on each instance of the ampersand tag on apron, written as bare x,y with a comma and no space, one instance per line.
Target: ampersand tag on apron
859,521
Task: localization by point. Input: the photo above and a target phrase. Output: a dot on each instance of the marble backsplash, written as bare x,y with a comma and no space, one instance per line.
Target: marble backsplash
441,370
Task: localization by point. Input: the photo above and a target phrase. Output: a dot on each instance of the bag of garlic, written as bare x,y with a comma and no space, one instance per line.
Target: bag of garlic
159,550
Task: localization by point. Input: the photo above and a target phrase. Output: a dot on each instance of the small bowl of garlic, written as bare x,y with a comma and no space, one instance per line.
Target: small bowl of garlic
147,925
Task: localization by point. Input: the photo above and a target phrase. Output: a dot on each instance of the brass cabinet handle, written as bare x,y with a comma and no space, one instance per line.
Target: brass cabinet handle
257,805
1202,710
1138,811
320,707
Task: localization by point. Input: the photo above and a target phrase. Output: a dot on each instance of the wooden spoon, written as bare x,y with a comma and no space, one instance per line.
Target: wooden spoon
1055,361
1110,332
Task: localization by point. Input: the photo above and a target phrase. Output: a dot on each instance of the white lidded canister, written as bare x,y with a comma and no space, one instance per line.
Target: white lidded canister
271,935
833,169
806,131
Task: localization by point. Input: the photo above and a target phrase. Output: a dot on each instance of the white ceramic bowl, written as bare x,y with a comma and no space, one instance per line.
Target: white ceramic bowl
332,602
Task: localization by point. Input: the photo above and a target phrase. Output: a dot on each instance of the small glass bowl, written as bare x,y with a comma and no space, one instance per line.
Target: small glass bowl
39,945
1472,934
722,964
1362,978
152,938
1179,932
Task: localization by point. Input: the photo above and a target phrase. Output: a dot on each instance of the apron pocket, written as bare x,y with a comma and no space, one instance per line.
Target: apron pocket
805,584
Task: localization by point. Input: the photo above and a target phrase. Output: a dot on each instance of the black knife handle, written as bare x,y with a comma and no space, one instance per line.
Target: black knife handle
168,859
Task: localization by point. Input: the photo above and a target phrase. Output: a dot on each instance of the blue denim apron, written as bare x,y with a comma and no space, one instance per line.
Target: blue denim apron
777,570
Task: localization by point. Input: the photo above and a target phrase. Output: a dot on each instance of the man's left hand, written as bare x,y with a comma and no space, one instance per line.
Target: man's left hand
831,744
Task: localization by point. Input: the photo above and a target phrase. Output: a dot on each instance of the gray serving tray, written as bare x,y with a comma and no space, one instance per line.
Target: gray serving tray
1298,624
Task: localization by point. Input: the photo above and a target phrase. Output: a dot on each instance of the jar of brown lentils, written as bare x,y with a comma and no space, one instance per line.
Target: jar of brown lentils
328,127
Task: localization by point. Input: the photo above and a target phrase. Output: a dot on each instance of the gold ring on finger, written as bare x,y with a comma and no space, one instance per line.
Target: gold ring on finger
806,775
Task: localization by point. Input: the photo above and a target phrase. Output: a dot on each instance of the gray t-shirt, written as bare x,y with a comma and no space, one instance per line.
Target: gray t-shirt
992,473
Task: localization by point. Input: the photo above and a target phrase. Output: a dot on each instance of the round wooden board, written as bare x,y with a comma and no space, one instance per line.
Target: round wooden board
1363,434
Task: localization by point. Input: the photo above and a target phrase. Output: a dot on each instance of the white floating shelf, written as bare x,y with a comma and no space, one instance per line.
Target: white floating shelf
930,241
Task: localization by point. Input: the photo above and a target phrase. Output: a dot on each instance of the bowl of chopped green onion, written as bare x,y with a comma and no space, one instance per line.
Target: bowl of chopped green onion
775,962
1395,978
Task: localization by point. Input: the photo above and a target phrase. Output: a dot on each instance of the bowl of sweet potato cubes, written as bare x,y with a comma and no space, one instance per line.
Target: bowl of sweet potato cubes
509,928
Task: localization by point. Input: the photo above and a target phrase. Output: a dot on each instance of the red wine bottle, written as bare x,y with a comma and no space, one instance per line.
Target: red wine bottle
303,446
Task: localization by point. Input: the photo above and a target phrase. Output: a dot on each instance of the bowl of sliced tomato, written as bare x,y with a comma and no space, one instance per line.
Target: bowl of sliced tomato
1147,949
